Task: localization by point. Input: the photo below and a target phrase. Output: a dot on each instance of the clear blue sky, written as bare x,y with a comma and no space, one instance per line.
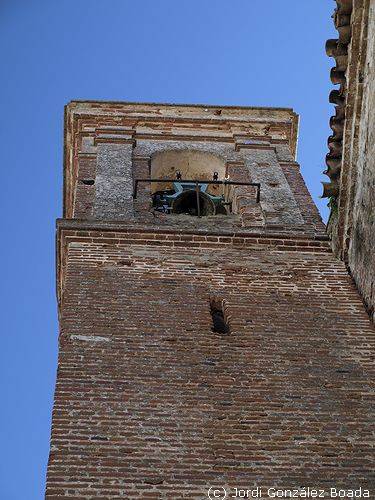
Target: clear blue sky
245,52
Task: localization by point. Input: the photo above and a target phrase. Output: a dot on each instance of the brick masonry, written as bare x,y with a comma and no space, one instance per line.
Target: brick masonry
352,221
150,402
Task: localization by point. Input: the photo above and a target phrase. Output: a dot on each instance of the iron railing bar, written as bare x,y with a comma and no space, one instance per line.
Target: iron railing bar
197,190
202,181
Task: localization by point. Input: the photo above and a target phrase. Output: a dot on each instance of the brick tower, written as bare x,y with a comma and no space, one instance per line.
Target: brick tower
209,338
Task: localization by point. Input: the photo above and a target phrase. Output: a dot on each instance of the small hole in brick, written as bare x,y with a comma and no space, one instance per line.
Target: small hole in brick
154,480
219,324
209,362
99,438
88,182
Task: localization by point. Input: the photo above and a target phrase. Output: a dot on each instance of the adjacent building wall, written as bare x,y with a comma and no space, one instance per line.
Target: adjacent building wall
361,252
351,163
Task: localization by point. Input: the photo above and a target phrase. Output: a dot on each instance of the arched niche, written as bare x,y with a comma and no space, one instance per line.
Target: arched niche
191,163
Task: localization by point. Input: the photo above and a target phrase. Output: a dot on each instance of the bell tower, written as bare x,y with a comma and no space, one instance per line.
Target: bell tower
208,337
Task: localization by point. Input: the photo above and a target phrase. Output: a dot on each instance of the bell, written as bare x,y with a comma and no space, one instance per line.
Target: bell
186,203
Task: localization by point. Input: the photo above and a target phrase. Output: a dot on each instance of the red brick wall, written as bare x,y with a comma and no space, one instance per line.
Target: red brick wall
150,403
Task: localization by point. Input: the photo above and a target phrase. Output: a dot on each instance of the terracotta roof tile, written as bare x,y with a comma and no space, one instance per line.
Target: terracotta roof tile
338,49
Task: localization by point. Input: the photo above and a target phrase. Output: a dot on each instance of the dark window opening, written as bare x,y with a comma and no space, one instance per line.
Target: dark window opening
219,323
88,182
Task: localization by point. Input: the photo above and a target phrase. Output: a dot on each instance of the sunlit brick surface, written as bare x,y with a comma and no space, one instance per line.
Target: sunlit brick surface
150,402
